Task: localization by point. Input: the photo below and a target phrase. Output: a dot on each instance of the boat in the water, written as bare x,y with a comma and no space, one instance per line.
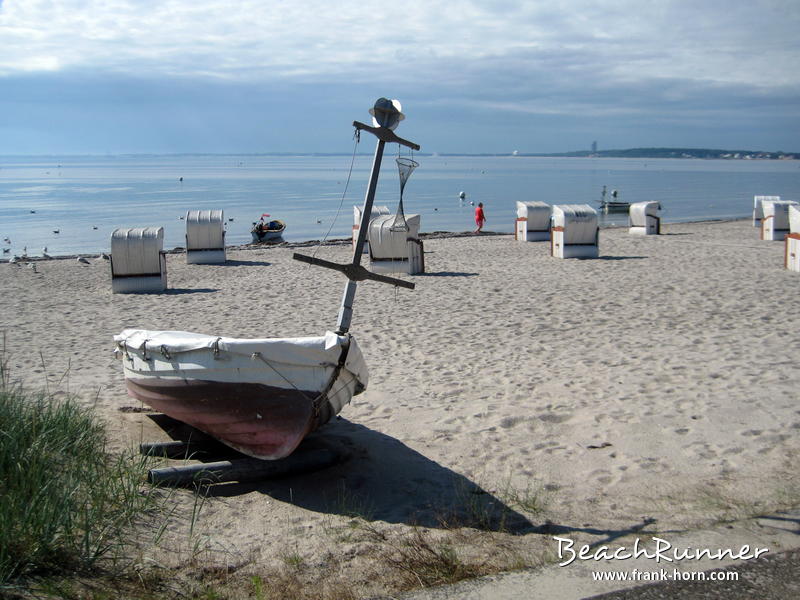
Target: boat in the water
262,396
614,204
267,231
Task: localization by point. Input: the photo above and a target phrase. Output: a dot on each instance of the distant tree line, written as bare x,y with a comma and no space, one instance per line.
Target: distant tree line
683,153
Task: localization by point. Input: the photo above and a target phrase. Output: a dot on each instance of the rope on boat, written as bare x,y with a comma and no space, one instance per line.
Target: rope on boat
259,356
334,376
316,403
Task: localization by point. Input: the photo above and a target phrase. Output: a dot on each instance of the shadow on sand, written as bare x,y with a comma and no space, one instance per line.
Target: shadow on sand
378,478
178,291
621,258
242,263
375,477
448,274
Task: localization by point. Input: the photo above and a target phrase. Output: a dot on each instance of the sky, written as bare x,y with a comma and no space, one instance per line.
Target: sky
488,76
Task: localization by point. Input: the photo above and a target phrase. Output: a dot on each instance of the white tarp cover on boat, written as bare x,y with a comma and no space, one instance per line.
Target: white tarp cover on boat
778,210
136,251
639,211
537,213
386,244
794,218
320,351
205,230
579,222
758,210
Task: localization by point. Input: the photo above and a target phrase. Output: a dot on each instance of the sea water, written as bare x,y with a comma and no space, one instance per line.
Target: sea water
71,204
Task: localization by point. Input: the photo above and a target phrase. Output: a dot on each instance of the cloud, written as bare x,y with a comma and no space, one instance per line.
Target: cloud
751,43
467,62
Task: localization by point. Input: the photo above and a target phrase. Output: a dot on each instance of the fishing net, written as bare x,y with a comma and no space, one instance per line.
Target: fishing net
405,167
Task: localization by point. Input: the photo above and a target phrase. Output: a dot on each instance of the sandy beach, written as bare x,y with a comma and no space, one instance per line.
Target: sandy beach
512,397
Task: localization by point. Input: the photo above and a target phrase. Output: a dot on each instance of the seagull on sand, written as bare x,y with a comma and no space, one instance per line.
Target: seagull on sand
32,267
44,253
83,261
103,255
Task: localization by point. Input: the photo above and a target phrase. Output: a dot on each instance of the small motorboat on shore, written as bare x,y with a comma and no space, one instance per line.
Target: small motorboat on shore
267,230
613,205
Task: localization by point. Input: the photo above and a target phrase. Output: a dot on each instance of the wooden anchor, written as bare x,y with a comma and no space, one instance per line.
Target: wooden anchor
353,270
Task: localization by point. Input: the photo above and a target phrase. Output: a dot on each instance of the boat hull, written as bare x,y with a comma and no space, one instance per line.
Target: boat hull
260,397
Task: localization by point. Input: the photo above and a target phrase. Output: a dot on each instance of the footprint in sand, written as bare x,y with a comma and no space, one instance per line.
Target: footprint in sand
752,432
554,418
509,422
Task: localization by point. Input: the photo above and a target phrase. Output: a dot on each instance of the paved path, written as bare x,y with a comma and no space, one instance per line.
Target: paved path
772,576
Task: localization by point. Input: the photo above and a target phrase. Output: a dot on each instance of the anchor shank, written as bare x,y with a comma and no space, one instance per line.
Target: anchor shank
369,199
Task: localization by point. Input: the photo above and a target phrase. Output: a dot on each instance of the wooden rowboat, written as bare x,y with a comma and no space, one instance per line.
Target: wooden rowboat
258,396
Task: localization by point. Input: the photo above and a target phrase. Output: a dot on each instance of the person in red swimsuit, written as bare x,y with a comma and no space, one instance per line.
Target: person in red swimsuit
480,218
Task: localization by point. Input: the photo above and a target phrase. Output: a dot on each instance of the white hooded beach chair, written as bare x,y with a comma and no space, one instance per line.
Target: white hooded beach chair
376,212
792,253
395,250
758,210
574,232
644,219
205,237
533,221
138,262
775,222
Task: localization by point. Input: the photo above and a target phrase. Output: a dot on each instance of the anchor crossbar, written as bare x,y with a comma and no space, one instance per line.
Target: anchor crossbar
385,135
353,272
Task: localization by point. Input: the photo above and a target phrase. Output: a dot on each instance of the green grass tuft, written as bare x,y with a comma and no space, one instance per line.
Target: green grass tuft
66,502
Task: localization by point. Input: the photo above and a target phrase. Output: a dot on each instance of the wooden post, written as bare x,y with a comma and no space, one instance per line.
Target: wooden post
244,469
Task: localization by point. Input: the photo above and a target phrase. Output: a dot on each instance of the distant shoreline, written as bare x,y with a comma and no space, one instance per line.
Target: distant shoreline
649,153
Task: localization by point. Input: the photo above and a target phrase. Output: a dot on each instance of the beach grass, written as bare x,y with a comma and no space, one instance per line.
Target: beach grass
67,503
